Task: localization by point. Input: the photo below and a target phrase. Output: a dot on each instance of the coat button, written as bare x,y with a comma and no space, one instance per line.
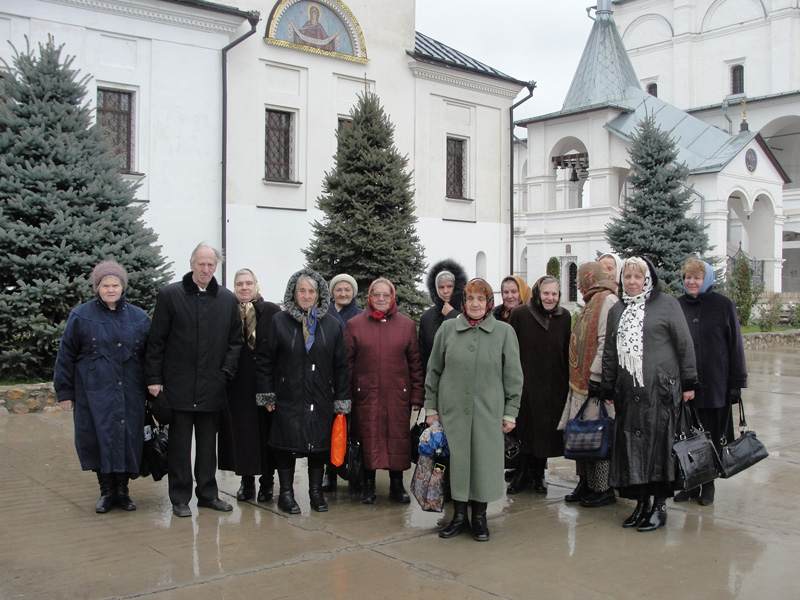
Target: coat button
119,383
119,345
636,398
472,348
639,433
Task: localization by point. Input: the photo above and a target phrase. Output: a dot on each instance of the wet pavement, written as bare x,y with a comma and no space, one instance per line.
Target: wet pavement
54,546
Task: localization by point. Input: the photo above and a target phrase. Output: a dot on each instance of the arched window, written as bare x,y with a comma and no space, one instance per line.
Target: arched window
573,282
737,79
480,265
568,249
652,89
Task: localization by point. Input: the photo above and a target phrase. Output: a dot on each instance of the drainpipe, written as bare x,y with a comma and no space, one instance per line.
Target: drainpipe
253,18
531,85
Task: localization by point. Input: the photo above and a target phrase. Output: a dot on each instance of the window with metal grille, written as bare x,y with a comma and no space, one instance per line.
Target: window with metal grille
737,79
652,89
456,171
278,147
115,117
573,282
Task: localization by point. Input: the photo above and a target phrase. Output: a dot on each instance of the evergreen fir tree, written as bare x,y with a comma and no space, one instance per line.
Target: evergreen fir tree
64,207
368,229
654,222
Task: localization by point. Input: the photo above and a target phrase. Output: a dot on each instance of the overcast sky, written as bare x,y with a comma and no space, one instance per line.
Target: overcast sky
526,39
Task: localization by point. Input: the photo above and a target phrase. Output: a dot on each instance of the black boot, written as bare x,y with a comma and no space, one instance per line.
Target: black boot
108,495
639,513
368,494
539,483
460,522
247,491
686,495
123,498
331,480
707,495
656,517
522,476
397,492
581,491
265,484
318,502
480,529
286,501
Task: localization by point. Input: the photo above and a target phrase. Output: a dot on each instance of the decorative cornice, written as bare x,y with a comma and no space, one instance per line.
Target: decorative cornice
166,14
451,78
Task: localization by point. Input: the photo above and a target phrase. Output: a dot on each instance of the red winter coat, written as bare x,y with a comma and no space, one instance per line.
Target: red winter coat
386,379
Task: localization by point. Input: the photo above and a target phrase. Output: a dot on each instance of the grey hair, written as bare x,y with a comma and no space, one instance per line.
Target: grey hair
549,279
244,272
309,279
636,263
220,258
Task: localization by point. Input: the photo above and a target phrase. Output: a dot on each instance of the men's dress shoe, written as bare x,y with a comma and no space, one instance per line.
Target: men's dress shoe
707,495
215,504
687,495
581,491
596,499
181,510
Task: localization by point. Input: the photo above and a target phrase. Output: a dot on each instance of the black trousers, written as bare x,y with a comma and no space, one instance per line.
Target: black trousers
285,460
205,426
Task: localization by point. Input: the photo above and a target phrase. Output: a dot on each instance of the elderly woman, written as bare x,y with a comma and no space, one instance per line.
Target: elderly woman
473,387
585,373
543,330
302,379
445,282
648,369
386,380
345,306
244,426
613,263
721,367
514,292
99,373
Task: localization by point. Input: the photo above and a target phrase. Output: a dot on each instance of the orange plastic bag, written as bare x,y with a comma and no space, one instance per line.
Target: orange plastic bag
338,440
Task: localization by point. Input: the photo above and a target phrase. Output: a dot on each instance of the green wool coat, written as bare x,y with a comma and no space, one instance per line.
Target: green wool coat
474,380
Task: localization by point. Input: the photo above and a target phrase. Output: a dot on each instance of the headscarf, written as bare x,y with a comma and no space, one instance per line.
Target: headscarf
595,283
478,286
617,261
630,332
708,279
376,314
536,296
247,310
524,293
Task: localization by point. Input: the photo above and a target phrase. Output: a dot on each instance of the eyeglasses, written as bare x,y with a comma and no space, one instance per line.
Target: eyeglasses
380,295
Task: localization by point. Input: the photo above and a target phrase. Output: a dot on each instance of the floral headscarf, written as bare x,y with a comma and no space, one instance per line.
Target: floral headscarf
478,286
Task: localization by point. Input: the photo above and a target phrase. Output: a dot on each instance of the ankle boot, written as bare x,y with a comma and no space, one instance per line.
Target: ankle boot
639,513
460,522
707,495
247,491
686,495
331,480
368,494
265,484
286,501
581,491
480,529
656,517
539,483
397,492
318,502
108,495
123,498
522,476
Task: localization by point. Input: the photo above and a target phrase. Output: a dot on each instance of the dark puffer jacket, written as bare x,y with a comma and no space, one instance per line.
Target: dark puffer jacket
307,389
194,344
432,319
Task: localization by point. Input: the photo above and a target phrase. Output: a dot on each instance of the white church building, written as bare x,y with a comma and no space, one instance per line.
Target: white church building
226,117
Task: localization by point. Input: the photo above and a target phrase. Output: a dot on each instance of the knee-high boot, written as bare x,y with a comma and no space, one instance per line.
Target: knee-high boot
108,495
123,497
318,502
397,492
286,501
480,528
460,522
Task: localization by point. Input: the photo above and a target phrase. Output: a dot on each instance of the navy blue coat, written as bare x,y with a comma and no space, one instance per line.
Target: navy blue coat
100,369
718,347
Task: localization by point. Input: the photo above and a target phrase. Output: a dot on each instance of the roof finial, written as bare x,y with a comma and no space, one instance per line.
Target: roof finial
744,126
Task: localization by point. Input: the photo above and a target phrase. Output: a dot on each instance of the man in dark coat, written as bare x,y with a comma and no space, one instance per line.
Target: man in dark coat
192,352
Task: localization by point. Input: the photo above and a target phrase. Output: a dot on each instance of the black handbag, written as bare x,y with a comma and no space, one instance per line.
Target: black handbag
511,449
416,430
155,450
589,439
696,459
744,452
160,408
352,469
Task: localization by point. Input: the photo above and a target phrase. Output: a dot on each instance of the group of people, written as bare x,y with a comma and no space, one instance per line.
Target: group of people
258,385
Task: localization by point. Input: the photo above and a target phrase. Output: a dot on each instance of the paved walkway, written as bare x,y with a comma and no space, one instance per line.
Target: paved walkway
53,545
